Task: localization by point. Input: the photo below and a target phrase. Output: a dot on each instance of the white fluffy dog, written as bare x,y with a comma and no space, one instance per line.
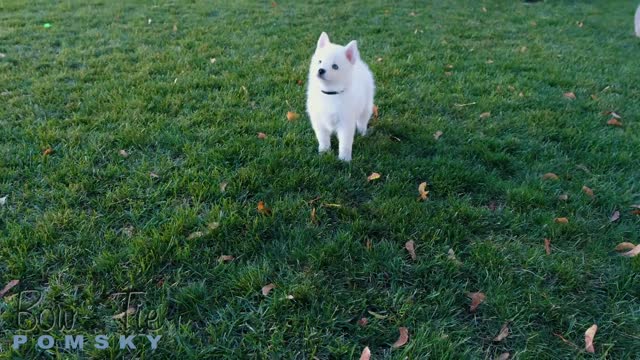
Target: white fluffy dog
340,94
638,22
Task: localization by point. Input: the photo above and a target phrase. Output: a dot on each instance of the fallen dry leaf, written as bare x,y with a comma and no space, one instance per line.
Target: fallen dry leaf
300,82
437,134
130,311
175,27
476,299
404,337
587,190
213,60
375,111
373,176
267,288
561,220
363,322
504,332
451,255
48,151
563,197
377,316
484,9
154,175
550,176
8,287
523,49
503,356
614,122
3,200
291,116
314,217
633,252
366,354
615,216
262,135
547,246
485,115
625,246
489,61
410,246
223,186
123,153
226,258
612,113
588,338
263,209
195,235
422,190
213,225
580,24
635,212
570,95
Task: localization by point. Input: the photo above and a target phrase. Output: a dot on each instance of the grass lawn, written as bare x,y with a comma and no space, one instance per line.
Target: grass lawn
184,89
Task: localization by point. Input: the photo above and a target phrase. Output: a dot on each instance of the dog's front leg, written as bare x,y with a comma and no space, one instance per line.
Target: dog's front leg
346,130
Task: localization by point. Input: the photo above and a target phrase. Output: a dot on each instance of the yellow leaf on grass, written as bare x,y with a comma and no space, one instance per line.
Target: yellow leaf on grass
633,252
314,217
563,197
547,246
262,135
373,176
223,186
403,338
588,338
587,190
291,116
422,190
550,176
485,115
561,220
570,95
437,134
225,258
130,311
48,151
263,209
614,122
123,153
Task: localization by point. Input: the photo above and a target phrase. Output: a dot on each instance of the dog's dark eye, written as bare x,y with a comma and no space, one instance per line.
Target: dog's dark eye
319,61
334,67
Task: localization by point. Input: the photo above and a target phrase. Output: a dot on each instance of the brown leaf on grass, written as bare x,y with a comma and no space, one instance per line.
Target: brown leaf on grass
615,216
366,354
410,246
123,153
267,289
504,332
314,217
550,176
8,287
588,338
223,186
633,252
300,82
561,220
485,115
614,122
404,337
563,197
291,116
225,258
635,212
48,151
154,175
263,209
363,321
476,299
570,95
130,311
437,134
547,246
625,246
262,136
375,111
422,190
373,176
587,190
504,356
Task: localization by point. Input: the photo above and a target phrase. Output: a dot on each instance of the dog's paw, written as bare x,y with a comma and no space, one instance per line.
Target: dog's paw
345,158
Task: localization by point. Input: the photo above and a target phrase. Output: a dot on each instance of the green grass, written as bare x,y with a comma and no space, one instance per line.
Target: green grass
84,222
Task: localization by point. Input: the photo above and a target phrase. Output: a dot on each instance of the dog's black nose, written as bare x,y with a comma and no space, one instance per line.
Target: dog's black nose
321,71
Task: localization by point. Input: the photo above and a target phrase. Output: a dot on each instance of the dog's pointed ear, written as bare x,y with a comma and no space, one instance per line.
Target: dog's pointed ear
352,51
323,40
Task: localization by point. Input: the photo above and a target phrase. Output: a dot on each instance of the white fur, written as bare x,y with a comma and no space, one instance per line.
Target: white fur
347,111
638,22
